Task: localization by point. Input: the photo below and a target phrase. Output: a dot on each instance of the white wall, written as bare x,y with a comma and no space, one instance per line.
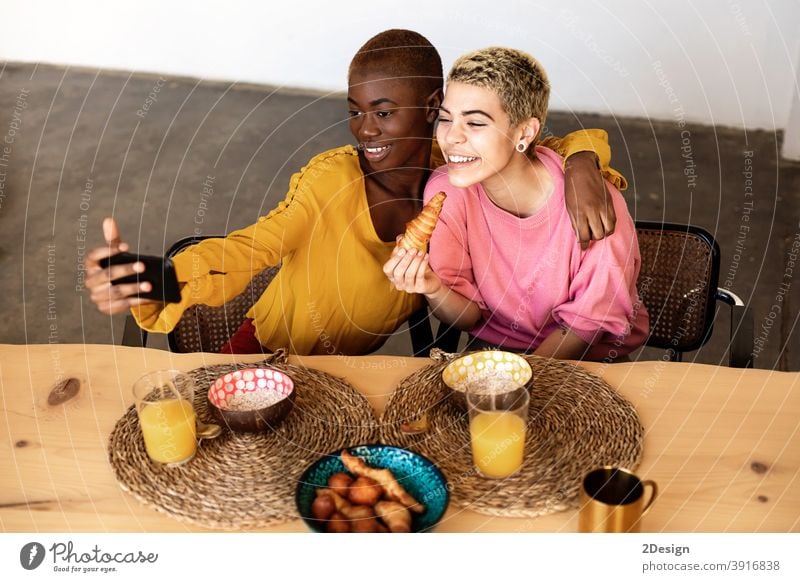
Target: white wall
729,62
791,140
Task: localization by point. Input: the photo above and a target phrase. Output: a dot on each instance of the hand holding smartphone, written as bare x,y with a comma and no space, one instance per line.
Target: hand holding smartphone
158,271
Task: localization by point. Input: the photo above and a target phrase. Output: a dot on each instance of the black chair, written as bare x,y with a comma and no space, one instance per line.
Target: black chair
203,328
678,285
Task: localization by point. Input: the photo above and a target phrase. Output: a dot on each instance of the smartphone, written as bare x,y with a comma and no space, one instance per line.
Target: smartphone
158,271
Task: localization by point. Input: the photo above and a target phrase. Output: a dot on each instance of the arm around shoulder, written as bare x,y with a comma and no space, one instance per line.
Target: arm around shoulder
594,141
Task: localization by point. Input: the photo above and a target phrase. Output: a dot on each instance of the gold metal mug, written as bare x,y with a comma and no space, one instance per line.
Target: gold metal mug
612,500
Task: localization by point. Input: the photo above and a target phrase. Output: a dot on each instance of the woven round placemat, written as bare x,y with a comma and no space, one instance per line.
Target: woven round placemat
241,480
576,422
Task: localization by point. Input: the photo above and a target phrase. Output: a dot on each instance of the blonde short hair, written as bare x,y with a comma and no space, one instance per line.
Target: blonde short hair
518,80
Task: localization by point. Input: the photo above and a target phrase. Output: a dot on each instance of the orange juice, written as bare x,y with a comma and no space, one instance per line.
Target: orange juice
498,443
169,430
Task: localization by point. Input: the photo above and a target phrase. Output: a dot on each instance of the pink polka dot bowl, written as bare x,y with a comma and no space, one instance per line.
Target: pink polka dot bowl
252,400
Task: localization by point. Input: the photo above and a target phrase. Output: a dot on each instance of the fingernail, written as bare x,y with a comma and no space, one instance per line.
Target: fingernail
138,267
401,252
145,287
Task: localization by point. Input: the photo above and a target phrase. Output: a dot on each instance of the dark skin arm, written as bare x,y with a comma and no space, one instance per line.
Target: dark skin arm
589,204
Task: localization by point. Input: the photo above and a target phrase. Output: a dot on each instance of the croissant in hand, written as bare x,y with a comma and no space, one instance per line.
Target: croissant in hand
419,231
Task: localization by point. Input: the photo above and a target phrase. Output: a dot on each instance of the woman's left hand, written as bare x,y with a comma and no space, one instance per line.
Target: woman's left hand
589,204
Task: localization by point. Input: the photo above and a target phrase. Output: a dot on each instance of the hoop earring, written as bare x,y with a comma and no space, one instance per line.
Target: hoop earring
521,147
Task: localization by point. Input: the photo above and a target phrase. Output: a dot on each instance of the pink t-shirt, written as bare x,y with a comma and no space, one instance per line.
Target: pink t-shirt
529,275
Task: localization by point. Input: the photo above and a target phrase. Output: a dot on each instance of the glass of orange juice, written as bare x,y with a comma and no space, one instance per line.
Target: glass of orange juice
164,403
497,424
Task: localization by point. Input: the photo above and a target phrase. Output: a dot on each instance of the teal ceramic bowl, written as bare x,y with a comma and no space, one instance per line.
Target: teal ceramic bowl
418,475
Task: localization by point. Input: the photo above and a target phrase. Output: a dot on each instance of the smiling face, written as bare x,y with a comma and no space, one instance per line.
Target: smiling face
390,120
476,136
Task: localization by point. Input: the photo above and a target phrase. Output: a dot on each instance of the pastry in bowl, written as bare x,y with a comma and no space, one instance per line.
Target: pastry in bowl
372,489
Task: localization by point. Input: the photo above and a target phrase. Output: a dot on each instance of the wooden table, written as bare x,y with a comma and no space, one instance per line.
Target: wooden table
723,444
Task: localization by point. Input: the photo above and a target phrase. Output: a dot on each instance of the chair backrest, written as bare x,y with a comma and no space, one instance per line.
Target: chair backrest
678,283
203,328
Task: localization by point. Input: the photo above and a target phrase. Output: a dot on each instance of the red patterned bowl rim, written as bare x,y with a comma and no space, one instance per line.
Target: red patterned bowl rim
249,380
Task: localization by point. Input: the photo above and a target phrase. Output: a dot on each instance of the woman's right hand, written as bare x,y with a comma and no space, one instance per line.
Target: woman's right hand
409,271
112,299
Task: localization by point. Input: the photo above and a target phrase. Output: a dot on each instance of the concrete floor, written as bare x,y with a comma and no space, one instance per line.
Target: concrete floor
77,145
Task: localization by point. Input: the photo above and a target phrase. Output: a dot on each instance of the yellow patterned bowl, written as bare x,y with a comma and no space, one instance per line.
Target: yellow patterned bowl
487,371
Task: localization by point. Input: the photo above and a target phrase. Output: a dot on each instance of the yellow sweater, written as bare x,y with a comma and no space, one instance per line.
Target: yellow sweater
330,295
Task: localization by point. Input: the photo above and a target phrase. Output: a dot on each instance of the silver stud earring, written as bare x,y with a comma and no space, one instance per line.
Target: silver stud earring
521,147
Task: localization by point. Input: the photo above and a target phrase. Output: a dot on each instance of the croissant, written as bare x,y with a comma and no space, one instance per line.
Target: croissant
419,231
394,515
394,491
